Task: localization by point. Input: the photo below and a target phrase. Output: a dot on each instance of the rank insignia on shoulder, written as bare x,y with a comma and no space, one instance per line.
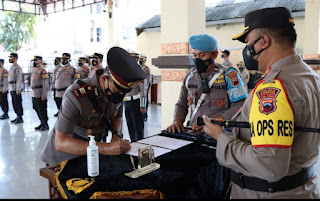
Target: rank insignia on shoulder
83,90
45,76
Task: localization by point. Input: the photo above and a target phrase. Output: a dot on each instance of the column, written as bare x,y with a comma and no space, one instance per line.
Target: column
180,19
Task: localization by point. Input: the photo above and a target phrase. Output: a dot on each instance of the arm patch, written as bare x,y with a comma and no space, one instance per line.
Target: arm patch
235,86
271,116
83,90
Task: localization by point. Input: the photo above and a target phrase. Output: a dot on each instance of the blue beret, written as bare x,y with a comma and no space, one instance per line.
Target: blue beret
203,42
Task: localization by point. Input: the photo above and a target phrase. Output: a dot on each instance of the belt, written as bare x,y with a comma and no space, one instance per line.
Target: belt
129,98
37,87
1,85
284,184
61,89
12,82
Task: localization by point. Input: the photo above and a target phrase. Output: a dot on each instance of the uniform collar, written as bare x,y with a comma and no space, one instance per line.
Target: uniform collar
95,82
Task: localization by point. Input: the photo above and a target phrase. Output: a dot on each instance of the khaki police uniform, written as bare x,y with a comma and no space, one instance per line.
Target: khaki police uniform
64,77
4,91
271,162
83,71
40,88
133,101
245,76
15,84
223,99
147,70
227,63
77,117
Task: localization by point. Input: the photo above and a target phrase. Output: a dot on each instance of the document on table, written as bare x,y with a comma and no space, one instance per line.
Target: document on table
158,151
160,144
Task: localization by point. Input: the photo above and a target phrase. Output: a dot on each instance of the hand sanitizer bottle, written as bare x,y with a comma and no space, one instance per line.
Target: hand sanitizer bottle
92,158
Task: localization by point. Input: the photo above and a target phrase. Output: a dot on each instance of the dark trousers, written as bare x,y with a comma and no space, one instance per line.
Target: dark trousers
17,103
4,102
41,109
146,114
135,120
58,101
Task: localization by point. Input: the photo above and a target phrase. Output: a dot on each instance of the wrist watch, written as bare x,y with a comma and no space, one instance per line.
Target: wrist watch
118,133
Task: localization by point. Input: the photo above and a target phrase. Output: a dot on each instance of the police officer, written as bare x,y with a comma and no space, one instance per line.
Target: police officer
4,90
135,107
40,88
88,62
65,76
147,70
94,106
271,159
244,73
15,87
225,56
209,88
57,65
83,70
96,61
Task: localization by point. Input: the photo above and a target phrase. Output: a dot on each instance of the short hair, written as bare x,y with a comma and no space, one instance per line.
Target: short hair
283,35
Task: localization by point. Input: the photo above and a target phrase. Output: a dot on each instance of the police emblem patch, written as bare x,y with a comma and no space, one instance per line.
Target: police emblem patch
233,76
219,103
267,98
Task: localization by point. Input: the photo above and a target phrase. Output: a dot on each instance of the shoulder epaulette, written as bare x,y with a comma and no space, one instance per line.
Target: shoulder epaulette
83,90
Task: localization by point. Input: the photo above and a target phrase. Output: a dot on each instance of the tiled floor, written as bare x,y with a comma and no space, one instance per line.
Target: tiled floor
21,145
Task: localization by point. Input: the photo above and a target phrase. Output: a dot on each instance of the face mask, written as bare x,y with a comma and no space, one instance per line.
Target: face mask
56,62
94,62
241,69
35,64
202,65
80,64
248,53
114,97
140,62
10,60
65,62
222,56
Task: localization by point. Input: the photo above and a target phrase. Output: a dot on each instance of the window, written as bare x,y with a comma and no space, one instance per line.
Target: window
98,8
91,34
99,39
91,9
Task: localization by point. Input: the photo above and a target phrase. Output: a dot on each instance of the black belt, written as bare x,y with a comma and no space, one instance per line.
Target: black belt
61,89
284,184
12,82
1,85
37,87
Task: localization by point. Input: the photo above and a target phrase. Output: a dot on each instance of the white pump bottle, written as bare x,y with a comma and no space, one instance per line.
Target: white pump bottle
92,158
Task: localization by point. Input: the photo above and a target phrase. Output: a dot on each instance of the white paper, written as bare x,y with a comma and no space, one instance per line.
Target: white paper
158,151
165,142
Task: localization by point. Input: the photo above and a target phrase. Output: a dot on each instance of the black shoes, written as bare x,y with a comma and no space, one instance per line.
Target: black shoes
56,114
38,127
44,128
12,121
19,120
4,116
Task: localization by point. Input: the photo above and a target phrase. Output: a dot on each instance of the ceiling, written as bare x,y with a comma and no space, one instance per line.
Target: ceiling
45,7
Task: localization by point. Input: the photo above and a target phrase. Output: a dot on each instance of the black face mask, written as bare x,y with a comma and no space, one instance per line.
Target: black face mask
35,64
65,62
80,64
202,65
94,62
10,60
140,62
222,56
114,97
248,53
56,62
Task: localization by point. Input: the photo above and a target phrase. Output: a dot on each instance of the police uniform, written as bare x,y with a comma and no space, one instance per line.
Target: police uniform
40,88
244,74
4,91
272,160
15,84
83,70
57,62
96,66
64,77
226,95
227,62
147,70
78,116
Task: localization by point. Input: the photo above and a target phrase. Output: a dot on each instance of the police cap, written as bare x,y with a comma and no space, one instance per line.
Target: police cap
97,55
15,55
66,56
124,71
227,52
133,53
264,18
35,58
2,61
57,58
142,56
203,43
81,59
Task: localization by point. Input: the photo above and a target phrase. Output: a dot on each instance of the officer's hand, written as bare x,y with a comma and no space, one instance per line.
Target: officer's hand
18,92
176,126
117,146
218,118
143,110
211,129
196,127
5,91
43,98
